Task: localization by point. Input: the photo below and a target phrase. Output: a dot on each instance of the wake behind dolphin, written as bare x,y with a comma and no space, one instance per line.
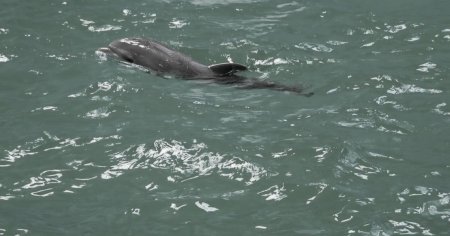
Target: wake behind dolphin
163,60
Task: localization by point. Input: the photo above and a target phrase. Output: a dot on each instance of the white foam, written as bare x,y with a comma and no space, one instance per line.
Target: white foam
3,58
205,206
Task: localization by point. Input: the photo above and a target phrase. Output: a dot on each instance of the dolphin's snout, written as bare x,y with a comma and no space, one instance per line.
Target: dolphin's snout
121,51
104,50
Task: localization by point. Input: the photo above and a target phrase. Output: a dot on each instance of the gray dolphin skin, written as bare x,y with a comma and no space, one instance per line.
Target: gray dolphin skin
163,60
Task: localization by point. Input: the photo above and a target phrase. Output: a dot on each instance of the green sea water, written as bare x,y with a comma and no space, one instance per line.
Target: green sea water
95,147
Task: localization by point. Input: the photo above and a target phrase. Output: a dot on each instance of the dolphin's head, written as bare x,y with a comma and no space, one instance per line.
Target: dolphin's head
124,49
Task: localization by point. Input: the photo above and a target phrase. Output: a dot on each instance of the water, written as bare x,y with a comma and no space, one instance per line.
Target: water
92,147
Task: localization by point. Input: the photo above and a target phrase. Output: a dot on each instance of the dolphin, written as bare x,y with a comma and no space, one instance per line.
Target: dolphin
161,59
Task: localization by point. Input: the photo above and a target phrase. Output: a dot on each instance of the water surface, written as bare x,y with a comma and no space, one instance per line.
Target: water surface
92,147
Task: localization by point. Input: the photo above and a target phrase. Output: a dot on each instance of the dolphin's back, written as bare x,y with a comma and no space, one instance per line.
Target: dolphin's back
158,57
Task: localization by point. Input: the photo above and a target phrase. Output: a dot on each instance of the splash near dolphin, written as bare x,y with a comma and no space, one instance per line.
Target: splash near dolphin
160,59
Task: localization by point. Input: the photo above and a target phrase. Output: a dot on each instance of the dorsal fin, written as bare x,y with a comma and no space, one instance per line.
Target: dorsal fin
226,68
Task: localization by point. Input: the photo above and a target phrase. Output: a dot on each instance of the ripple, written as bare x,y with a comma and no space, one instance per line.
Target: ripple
102,90
289,4
86,22
7,197
282,14
411,88
426,67
18,231
396,28
368,44
409,227
320,188
274,193
438,109
413,39
314,47
99,113
205,206
45,178
374,119
92,28
46,108
126,12
48,143
177,23
238,44
336,43
423,201
272,61
15,154
60,57
383,100
50,182
322,152
184,163
357,123
221,2
357,162
104,28
138,18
